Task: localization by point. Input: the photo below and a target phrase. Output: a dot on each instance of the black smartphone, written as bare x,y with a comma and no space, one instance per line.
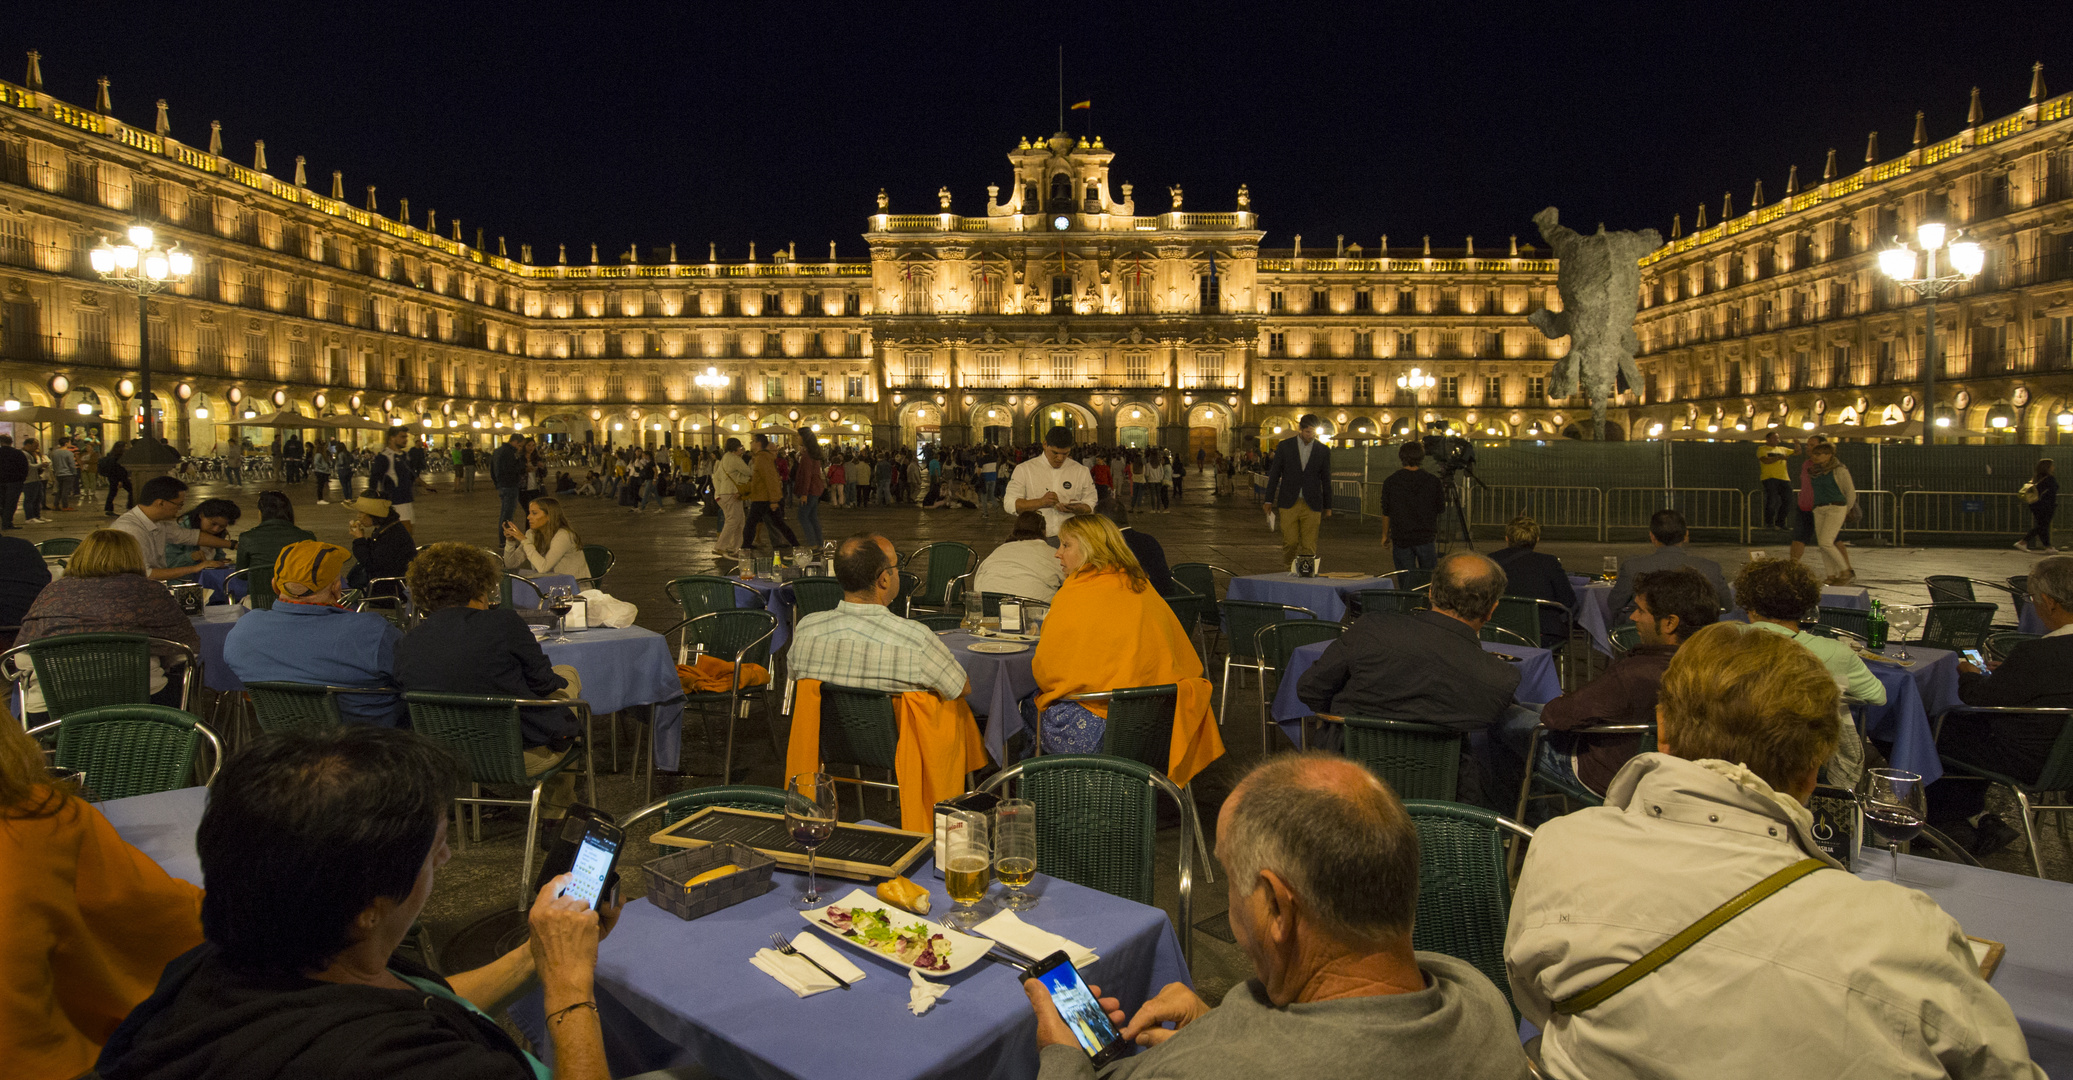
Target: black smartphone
1076,1004
592,865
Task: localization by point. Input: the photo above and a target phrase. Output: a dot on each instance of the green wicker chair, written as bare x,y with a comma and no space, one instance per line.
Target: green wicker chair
1242,622
1275,644
1520,617
1200,578
811,594
1410,580
259,586
522,592
127,750
1945,588
1498,635
485,735
1464,893
1417,761
1955,625
87,671
2019,587
57,547
683,804
1626,637
291,706
1836,633
1571,791
1140,727
389,597
1393,601
2002,642
946,561
1190,609
700,594
940,621
739,636
859,729
910,587
1097,826
1854,620
2056,775
598,559
990,603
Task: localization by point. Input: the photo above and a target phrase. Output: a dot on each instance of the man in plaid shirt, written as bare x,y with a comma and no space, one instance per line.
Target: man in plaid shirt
862,644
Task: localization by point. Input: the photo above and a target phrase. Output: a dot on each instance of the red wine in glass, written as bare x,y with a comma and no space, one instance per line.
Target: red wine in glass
1895,826
810,813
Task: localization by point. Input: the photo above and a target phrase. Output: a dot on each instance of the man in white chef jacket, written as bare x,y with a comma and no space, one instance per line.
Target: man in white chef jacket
1053,484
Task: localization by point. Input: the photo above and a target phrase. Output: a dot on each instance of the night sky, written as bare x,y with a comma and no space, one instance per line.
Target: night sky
775,123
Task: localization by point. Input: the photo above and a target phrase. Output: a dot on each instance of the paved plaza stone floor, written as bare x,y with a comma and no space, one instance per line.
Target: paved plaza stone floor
653,547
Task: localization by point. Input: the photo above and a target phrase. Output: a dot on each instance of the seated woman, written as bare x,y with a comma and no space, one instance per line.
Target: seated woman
213,516
320,848
1108,629
465,644
23,576
382,545
261,544
91,920
104,590
1024,565
548,546
1536,574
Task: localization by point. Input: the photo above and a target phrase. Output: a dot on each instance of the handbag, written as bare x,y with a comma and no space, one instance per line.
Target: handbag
1687,937
2028,492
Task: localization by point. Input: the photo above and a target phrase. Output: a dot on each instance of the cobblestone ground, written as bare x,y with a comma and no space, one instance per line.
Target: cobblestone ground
653,547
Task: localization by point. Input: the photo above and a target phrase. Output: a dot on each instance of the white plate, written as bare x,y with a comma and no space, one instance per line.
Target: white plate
997,647
965,950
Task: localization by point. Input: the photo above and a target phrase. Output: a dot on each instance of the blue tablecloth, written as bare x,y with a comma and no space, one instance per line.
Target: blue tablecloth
1325,596
162,826
533,593
671,992
625,667
1539,681
772,597
1913,696
2021,912
999,682
213,580
213,625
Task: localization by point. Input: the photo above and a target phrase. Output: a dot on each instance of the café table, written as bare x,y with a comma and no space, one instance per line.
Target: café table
625,667
214,580
1594,608
1327,596
1914,696
1539,681
999,683
213,627
772,596
162,825
671,992
2027,915
536,586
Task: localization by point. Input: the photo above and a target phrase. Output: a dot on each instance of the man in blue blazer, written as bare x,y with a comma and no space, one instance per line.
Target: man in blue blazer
1296,485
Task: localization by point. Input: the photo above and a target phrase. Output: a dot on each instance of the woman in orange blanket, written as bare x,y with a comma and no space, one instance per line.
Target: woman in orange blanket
1109,629
91,921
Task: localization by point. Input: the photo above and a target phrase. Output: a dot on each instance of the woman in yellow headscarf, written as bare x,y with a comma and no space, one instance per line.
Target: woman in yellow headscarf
1109,629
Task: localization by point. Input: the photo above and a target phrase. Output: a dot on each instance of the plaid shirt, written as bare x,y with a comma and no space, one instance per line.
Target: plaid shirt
867,647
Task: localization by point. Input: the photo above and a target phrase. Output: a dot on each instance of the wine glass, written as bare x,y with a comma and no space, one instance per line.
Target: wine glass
1015,850
1895,808
968,865
1902,619
810,814
561,598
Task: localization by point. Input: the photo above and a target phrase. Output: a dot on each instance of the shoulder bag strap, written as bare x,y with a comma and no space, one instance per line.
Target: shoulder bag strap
1688,937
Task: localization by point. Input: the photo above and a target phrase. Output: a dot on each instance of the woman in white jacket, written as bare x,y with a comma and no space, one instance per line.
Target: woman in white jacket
548,545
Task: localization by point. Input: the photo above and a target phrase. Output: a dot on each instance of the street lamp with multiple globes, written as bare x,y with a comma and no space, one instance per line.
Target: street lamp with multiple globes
1898,262
1415,382
712,382
140,264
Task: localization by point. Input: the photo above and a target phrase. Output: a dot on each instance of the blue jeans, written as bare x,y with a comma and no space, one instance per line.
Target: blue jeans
1414,556
649,494
810,521
1515,732
507,506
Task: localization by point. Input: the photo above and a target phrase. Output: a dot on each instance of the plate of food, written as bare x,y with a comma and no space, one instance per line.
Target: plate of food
871,925
997,647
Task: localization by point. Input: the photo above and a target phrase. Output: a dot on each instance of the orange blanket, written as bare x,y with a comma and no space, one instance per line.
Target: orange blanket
712,675
938,744
1102,636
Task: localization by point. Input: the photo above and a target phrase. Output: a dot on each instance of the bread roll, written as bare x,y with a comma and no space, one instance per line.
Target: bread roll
903,893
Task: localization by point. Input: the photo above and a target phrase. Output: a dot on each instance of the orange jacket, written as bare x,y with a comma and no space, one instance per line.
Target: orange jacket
938,744
90,923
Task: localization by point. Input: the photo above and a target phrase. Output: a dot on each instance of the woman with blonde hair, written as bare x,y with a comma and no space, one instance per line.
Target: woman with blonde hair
549,545
1108,629
105,590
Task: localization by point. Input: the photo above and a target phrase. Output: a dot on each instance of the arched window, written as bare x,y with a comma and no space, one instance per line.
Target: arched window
1061,193
1029,198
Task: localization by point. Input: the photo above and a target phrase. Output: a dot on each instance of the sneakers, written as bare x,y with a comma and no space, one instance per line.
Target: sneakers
1991,835
321,502
2022,545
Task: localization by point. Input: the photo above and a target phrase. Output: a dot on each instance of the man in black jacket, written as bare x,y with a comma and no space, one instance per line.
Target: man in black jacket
1296,486
2038,673
1536,574
1151,554
14,472
1411,503
506,467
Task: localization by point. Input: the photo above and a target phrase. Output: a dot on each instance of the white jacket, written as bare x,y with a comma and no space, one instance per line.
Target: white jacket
1833,976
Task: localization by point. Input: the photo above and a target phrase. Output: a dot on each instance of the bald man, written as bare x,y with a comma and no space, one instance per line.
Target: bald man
861,644
1322,866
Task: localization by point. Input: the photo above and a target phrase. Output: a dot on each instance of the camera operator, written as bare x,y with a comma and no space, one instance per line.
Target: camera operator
1411,503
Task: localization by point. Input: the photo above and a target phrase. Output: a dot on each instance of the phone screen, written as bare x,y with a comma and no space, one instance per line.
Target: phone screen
1079,1009
1978,661
593,864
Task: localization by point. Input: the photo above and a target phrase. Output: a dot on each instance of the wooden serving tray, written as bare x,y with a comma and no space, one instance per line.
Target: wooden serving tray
860,852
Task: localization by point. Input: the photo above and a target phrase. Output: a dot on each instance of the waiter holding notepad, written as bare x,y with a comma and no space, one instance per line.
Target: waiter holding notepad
1052,484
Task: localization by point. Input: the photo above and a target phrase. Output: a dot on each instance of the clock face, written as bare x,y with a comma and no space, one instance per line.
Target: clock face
1060,223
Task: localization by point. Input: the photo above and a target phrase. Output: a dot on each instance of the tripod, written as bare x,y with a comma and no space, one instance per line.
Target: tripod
1453,512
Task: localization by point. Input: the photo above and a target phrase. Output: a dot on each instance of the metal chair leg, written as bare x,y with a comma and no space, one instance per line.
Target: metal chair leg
2030,832
590,755
1224,698
1201,842
532,830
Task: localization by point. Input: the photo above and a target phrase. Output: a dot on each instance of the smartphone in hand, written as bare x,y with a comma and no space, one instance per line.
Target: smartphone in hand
1078,1008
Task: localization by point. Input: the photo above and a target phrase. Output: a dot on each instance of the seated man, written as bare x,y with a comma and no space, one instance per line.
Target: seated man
861,644
1776,593
1536,574
1322,869
23,574
307,638
1666,535
151,523
261,544
1025,564
1669,607
1846,976
1150,553
2038,673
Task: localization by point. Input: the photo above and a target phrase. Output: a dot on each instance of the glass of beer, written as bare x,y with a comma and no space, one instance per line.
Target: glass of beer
969,869
1015,850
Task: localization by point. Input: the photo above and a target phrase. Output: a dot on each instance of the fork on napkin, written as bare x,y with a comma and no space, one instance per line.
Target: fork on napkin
797,974
1009,929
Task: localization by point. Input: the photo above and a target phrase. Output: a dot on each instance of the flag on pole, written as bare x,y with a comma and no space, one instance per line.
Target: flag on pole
1087,104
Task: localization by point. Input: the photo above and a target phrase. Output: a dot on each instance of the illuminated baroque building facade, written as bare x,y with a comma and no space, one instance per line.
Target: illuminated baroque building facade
1061,302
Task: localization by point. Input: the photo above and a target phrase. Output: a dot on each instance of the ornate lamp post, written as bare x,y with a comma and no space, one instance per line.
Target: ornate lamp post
1898,262
141,265
712,382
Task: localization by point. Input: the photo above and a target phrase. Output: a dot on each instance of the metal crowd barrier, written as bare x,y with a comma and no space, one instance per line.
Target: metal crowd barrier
1706,510
1878,515
1998,515
1564,513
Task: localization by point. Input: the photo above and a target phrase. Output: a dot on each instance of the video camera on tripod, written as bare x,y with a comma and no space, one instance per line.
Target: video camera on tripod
1452,453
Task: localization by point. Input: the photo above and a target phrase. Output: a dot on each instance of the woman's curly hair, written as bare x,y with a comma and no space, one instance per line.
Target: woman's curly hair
450,574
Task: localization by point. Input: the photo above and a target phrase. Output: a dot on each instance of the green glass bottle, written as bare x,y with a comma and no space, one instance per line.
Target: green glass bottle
1875,627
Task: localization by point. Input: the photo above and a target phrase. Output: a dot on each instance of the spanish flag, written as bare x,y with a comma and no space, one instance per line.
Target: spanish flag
1087,104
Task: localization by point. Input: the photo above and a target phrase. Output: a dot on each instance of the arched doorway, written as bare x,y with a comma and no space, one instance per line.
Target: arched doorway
1137,425
1209,429
1075,418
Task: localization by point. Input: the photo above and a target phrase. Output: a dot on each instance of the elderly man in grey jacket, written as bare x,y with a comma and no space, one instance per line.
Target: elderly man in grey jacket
1827,975
1666,534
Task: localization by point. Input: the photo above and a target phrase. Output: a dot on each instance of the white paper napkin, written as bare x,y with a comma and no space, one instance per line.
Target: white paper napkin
922,996
803,978
1010,930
